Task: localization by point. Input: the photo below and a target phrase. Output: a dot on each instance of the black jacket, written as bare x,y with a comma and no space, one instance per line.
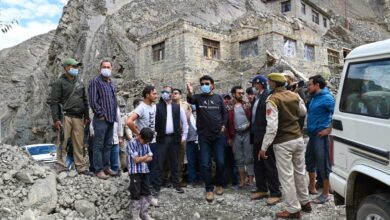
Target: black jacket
161,121
77,105
258,128
211,113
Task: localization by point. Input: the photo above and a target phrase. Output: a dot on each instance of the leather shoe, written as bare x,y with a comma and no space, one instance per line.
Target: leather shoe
259,195
286,214
110,172
219,190
209,196
273,200
179,189
101,175
306,207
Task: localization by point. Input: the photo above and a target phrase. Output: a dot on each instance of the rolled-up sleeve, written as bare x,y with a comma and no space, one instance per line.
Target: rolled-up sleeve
272,116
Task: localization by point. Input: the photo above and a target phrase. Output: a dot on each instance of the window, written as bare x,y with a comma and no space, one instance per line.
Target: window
210,49
346,52
158,51
290,47
315,17
367,89
333,57
309,54
249,48
303,8
325,22
285,6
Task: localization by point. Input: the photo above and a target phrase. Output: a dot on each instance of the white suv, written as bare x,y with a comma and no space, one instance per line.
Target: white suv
361,134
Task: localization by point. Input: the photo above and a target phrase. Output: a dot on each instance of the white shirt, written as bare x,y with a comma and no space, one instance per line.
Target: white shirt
183,119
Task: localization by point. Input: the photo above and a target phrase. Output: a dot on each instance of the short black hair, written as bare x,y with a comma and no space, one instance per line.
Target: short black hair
318,79
227,97
147,134
249,91
206,77
136,102
147,90
105,61
234,89
176,89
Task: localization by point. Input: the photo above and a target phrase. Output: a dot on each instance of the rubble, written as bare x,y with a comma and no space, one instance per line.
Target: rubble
66,196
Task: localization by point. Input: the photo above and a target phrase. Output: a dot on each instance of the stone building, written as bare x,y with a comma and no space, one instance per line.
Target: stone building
182,51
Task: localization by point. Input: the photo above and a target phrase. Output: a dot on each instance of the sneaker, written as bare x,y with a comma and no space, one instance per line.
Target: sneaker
154,202
273,200
146,216
259,195
219,190
101,175
306,207
179,189
86,172
110,172
209,196
286,214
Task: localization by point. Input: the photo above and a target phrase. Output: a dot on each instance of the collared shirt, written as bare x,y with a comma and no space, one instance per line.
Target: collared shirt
135,149
169,129
102,98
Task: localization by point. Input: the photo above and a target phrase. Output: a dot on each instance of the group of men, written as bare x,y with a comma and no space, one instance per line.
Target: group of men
266,134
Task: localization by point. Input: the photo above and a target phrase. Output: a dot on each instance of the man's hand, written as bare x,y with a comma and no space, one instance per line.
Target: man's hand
58,125
230,141
121,141
325,132
190,89
86,121
263,155
223,129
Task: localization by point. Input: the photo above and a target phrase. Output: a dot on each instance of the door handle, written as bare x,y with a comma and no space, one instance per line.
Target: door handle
337,124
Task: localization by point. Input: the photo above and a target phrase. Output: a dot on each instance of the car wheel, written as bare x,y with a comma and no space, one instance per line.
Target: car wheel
374,207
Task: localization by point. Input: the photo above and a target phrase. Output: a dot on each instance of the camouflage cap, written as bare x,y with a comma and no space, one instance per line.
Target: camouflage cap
71,62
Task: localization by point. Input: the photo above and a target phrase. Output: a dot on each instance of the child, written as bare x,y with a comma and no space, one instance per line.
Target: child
139,154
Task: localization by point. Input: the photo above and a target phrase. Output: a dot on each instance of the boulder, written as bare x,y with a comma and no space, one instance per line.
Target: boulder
43,194
85,207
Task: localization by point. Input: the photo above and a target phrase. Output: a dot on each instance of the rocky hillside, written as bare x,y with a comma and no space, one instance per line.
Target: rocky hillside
90,30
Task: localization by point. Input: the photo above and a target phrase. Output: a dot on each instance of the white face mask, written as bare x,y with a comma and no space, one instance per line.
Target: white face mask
106,72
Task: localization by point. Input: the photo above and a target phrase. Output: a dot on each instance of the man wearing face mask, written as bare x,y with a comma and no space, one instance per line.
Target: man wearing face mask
266,173
170,118
69,95
103,102
211,121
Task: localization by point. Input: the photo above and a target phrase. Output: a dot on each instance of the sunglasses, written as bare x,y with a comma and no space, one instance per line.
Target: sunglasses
202,84
164,91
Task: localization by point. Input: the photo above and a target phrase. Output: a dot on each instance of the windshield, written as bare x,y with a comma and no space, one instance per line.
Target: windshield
44,149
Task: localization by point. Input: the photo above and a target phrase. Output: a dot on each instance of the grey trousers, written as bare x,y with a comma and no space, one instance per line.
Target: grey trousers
243,152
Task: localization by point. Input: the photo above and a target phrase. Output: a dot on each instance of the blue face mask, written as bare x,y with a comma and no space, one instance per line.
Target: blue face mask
268,88
255,90
73,72
106,72
205,88
166,96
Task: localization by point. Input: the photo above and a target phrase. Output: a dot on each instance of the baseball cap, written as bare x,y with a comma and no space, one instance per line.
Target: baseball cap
259,79
71,62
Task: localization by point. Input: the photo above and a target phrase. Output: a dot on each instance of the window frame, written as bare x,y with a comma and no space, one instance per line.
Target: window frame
314,52
283,5
209,49
296,48
303,8
338,57
250,41
342,99
313,13
325,22
158,51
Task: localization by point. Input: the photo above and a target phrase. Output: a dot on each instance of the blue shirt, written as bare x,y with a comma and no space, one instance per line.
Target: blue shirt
102,98
320,111
135,149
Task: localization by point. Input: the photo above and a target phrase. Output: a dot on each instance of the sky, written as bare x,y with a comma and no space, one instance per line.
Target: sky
34,16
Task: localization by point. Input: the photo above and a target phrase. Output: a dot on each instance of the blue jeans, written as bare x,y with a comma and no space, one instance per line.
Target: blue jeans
193,157
102,144
317,156
69,161
114,158
208,146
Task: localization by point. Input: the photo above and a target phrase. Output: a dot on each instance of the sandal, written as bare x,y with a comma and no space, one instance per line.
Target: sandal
321,199
313,193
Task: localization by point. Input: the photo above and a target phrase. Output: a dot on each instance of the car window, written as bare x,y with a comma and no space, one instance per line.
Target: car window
44,149
366,89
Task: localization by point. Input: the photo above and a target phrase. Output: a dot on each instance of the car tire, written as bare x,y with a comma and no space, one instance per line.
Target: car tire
377,205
